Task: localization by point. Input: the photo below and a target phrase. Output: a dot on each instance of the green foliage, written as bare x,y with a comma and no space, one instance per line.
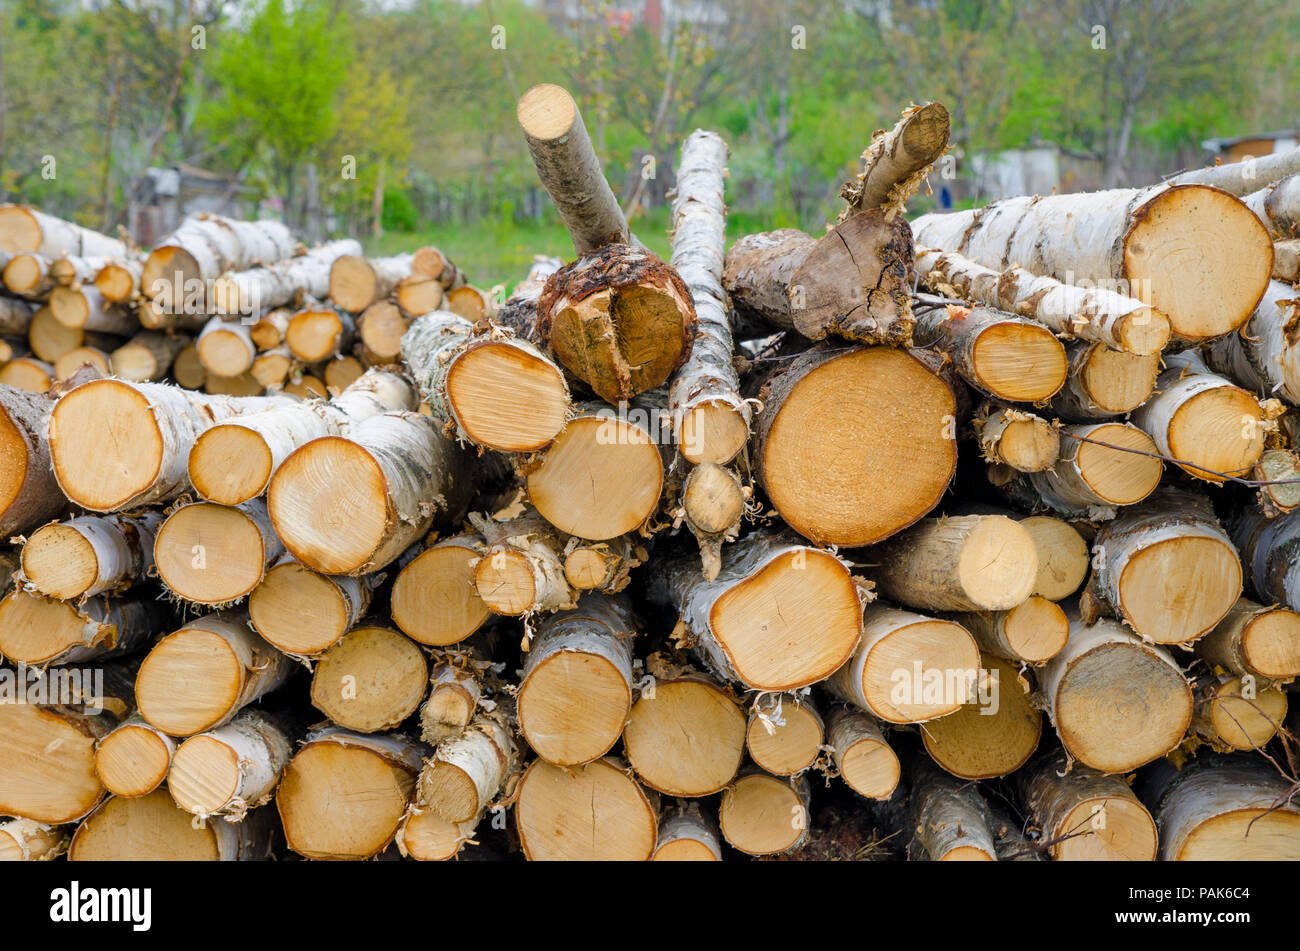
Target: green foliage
399,211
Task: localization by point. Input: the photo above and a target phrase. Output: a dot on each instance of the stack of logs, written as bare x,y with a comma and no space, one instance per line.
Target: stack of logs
974,537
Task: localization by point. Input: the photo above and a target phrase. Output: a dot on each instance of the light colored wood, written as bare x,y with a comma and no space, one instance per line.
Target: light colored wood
134,758
861,754
38,630
1237,714
427,837
23,840
455,689
370,681
898,161
50,339
1104,383
1032,632
232,769
225,347
467,772
90,555
1228,810
596,812
74,360
153,828
1062,556
434,600
765,815
951,819
215,554
1086,816
993,736
1255,640
29,494
47,762
1000,355
687,738
318,333
24,373
303,612
1015,438
686,834
784,734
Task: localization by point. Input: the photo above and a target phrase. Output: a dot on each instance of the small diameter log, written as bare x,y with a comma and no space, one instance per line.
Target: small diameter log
271,368
381,327
370,681
350,505
434,600
425,836
153,828
471,303
908,668
416,295
1286,260
50,339
1231,809
1104,383
951,819
1236,713
356,282
29,494
605,565
685,737
576,691
779,615
74,360
1032,632
119,279
1101,467
1012,437
603,476
86,308
861,755
304,613
319,333
853,282
994,735
28,276
232,769
521,571
269,329
205,247
1254,640
455,689
25,229
898,160
596,812
225,347
39,630
148,355
216,555
1147,243
765,815
134,758
1269,548
343,794
1116,702
466,773
1244,177
1262,356
619,319
713,501
24,840
187,370
90,555
493,390
966,563
200,677
342,372
1090,313
1279,471
1084,815
29,375
784,734
428,261
568,167
1277,206
1166,568
254,290
1000,355
687,835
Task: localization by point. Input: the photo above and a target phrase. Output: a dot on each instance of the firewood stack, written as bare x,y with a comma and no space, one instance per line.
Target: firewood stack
970,538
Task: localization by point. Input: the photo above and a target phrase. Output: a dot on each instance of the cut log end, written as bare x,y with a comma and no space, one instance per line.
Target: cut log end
434,600
991,738
714,729
546,712
788,748
210,554
1020,362
132,761
1118,476
225,352
1177,589
370,681
298,611
1219,432
230,464
1270,643
924,644
189,682
150,827
713,432
352,283
762,815
204,776
507,399
59,561
594,813
546,112
506,583
133,441
47,765
712,499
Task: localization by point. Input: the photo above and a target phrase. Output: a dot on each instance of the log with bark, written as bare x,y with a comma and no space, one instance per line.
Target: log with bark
898,160
995,734
215,555
24,229
371,680
90,554
232,769
1085,816
596,812
252,291
153,828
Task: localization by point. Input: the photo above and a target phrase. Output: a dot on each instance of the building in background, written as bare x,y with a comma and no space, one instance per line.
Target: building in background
1242,147
169,195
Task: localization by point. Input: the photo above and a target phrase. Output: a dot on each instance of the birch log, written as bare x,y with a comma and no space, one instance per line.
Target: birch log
1255,640
1084,815
252,291
232,769
25,229
1263,356
205,247
29,494
90,555
37,630
305,613
215,555
898,160
595,812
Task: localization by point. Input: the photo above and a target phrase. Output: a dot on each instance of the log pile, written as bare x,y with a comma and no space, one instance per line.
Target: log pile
970,537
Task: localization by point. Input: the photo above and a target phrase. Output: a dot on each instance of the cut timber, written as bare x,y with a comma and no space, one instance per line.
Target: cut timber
1166,568
356,282
343,794
370,681
455,689
1104,383
851,447
86,308
1235,713
234,460
119,279
304,613
225,347
117,445
428,261
28,276
602,476
134,758
186,368
254,290
1230,809
686,835
471,303
1277,206
952,821
1246,176
215,554
1213,429
567,164
466,773
576,691
1116,702
50,339
603,566
784,735
153,828
416,295
38,630
15,315
1089,313
1033,632
426,837
1015,438
269,329
381,327
1286,260
1084,815
712,502
434,600
686,737
619,319
966,563
200,677
90,555
205,247
779,615
1195,253
765,815
861,754
74,360
710,419
246,385
29,494
231,769
271,368
29,375
1269,550
26,229
148,355
596,812
23,840
1101,467
342,371
1263,356
1254,640
853,282
493,390
897,161
521,571
995,735
908,668
318,333
1000,355
350,505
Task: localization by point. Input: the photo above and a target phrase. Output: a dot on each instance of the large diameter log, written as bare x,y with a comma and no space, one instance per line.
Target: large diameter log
493,390
779,615
1235,713
951,818
852,282
619,319
898,160
25,229
467,772
1117,703
994,735
90,554
595,812
686,737
434,599
305,613
861,754
370,681
1104,383
38,630
254,290
153,828
24,840
1166,568
765,815
134,758
567,164
232,769
200,677
852,447
686,834
1263,357
215,555
343,794
1150,243
205,247
784,734
29,494
1255,640
1084,815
